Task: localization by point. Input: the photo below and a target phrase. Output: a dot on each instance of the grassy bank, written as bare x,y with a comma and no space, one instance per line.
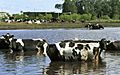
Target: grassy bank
49,25
39,26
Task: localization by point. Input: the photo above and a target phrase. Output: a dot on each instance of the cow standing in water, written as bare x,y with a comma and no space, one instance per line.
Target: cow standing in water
76,51
4,41
23,45
94,26
113,46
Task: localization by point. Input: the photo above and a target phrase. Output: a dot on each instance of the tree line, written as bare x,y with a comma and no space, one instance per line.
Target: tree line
80,10
105,9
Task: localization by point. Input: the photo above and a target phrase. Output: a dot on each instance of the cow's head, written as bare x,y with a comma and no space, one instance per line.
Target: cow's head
53,53
42,46
103,44
7,37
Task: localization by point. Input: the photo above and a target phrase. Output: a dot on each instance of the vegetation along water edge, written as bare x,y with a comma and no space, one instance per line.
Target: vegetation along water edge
7,26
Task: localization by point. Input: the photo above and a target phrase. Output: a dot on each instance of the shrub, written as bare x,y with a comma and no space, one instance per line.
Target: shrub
86,17
65,17
115,17
105,17
93,17
48,16
75,16
40,16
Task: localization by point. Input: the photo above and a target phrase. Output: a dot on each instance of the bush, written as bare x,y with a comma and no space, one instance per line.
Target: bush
75,16
19,16
65,17
115,17
105,17
48,16
40,16
93,17
86,17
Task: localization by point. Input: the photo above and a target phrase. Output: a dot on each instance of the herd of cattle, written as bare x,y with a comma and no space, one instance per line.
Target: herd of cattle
67,50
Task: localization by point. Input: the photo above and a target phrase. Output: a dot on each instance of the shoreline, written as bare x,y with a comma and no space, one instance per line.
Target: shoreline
15,26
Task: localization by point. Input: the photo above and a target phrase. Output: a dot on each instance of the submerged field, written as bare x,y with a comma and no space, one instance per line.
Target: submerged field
50,25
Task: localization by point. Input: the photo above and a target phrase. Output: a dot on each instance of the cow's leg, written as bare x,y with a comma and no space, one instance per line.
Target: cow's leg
96,54
38,52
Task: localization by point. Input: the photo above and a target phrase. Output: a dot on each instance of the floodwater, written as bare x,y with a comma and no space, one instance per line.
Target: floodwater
31,64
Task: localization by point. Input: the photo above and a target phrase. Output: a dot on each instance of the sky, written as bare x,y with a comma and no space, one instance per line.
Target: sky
15,6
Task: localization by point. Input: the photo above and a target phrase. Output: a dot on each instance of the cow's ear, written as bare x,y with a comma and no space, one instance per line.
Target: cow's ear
88,46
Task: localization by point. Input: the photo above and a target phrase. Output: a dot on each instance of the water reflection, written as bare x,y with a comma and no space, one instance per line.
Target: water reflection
69,68
29,63
112,60
14,56
22,63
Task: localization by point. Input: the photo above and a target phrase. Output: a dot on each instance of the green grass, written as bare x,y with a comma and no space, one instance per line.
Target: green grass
4,26
38,26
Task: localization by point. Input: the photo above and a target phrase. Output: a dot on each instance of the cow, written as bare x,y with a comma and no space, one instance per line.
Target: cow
23,45
113,46
76,51
4,41
94,26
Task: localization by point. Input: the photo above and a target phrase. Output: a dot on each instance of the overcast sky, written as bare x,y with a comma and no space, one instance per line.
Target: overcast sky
15,6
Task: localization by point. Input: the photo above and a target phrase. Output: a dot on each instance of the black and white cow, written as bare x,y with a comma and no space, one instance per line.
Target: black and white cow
113,46
28,44
94,26
75,51
4,41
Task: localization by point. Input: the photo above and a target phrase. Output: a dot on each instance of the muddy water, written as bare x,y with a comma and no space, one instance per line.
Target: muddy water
31,64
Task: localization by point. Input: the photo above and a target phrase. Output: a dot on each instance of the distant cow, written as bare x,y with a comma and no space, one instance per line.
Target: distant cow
4,41
94,26
28,44
75,51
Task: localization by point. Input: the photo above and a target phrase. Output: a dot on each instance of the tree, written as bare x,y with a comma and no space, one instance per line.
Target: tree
106,8
69,6
115,7
40,16
97,8
20,16
48,16
80,6
58,6
85,6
